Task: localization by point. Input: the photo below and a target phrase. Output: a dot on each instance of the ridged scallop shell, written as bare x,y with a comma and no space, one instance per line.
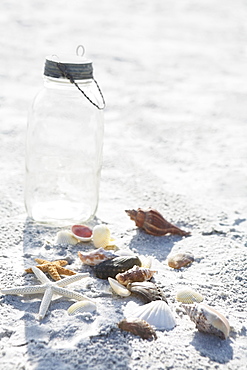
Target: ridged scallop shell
65,237
81,306
135,274
147,291
102,236
188,296
138,327
179,260
118,288
95,257
156,313
111,268
208,320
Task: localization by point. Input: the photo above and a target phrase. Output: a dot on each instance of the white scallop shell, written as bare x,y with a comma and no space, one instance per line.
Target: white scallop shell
189,296
81,306
156,313
118,288
102,236
65,237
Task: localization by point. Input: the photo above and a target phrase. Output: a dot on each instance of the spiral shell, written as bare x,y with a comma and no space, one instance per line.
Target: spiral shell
153,222
111,268
189,296
208,320
102,236
138,327
147,291
95,257
135,274
179,260
81,306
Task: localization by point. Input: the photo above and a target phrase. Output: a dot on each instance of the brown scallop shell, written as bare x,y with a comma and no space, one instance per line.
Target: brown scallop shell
179,260
135,274
138,327
153,222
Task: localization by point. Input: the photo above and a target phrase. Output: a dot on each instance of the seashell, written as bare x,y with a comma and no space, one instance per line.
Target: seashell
147,291
138,327
156,313
179,260
135,274
65,237
188,296
82,232
95,257
153,222
118,288
102,236
81,306
208,320
111,268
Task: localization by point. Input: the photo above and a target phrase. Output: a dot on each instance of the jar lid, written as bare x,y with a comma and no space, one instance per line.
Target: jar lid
77,67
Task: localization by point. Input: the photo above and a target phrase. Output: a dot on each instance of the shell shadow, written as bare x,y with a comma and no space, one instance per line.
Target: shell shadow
210,346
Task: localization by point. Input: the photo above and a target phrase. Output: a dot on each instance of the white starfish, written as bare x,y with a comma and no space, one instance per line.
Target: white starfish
49,288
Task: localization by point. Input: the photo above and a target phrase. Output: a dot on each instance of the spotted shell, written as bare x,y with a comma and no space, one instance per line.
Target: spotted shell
102,236
111,268
147,291
187,295
81,306
179,260
138,327
65,237
95,257
118,288
135,274
208,320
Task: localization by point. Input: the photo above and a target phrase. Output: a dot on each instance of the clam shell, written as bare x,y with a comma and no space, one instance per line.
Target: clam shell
95,257
118,288
187,295
138,327
65,237
208,320
111,268
179,260
135,274
81,306
82,232
147,291
156,313
102,236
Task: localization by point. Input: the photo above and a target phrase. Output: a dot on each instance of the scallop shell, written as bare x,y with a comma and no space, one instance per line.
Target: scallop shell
156,313
82,232
135,274
138,327
65,237
187,295
179,260
102,236
111,268
81,306
208,320
147,291
95,257
118,288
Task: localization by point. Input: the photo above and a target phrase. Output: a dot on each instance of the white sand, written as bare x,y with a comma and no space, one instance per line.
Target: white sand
174,77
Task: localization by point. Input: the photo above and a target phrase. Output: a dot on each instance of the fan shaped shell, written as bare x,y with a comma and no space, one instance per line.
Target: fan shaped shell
102,236
81,306
188,296
156,313
65,237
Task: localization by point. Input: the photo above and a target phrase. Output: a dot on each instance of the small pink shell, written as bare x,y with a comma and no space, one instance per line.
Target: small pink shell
96,256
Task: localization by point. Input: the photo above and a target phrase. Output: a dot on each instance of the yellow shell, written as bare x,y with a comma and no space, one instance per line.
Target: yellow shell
102,236
81,306
189,296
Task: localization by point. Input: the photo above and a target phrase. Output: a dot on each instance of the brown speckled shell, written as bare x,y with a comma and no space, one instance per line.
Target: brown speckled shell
179,260
147,291
111,268
153,222
138,327
135,274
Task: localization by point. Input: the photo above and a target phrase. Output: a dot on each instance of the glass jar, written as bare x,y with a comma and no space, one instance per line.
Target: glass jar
64,144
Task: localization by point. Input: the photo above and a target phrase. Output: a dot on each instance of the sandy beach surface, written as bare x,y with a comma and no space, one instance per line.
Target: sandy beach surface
174,78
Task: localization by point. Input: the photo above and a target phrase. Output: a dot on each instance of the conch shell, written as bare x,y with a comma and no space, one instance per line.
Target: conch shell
153,222
96,256
135,274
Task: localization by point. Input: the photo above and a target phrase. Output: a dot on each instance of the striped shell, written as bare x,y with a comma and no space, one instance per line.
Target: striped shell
111,268
102,236
135,274
95,257
138,327
147,291
179,260
208,320
118,288
65,237
187,295
81,306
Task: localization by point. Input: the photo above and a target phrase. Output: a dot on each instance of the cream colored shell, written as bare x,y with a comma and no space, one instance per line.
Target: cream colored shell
118,288
65,237
189,296
102,236
81,306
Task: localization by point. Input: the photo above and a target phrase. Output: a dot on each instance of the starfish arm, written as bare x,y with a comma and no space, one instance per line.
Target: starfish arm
61,262
70,294
28,289
45,302
52,271
40,275
71,279
41,261
64,271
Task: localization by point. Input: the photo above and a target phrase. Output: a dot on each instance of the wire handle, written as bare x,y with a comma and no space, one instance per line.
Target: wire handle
67,75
